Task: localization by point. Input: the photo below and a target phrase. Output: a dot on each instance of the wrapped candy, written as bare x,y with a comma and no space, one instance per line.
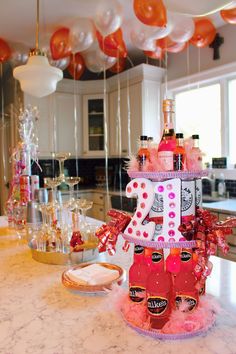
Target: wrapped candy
108,233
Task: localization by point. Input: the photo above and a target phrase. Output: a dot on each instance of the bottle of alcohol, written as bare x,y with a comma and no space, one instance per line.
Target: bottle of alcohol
186,294
186,257
194,158
173,261
179,153
159,293
138,273
167,143
143,153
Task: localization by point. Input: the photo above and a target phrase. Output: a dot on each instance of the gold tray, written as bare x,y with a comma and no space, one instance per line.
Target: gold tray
93,289
89,253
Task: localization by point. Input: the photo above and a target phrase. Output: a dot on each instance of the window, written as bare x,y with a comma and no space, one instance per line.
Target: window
198,111
232,121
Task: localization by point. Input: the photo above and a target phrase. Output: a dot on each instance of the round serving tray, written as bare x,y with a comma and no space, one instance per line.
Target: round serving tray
93,289
60,258
164,175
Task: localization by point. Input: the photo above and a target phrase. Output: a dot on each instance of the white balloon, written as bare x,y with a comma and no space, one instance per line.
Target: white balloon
183,28
81,35
96,61
109,16
60,63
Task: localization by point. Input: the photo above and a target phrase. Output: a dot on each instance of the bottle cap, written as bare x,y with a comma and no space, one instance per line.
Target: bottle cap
195,136
143,137
150,138
168,105
179,135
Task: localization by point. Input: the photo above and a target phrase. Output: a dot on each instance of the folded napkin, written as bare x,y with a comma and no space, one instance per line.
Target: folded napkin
93,274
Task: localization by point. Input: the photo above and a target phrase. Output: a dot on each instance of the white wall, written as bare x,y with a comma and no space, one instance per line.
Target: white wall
177,63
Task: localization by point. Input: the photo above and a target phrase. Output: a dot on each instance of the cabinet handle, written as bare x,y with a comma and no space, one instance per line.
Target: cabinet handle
124,150
101,209
101,197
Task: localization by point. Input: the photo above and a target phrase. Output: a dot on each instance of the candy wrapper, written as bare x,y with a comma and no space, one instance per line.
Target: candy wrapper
108,233
209,235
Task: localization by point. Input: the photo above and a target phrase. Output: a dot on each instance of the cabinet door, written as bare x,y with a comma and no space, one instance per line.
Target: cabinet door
68,123
94,124
123,137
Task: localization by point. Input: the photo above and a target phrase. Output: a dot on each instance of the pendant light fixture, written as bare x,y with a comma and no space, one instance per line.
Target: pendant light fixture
37,77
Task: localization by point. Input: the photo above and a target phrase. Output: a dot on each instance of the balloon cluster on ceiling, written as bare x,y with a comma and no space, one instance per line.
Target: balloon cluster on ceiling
98,44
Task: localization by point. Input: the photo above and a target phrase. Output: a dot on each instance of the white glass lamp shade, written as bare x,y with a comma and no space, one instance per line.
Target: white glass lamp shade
38,78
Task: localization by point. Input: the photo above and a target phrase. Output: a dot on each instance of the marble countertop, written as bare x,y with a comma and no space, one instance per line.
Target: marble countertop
227,206
39,315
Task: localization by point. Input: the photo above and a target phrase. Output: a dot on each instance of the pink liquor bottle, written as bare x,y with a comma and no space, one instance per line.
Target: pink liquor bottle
159,289
168,143
138,273
186,294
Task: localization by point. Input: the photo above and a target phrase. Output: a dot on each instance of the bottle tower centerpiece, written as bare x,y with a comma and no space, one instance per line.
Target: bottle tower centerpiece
173,240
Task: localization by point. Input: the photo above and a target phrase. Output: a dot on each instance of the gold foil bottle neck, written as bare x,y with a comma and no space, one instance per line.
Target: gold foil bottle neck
168,105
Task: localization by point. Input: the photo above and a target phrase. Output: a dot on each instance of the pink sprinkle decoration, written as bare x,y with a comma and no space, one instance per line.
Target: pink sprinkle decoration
145,195
169,186
139,214
145,234
142,205
160,189
171,195
171,214
130,230
182,239
138,233
171,233
129,189
134,222
171,224
161,238
143,185
135,185
171,239
172,205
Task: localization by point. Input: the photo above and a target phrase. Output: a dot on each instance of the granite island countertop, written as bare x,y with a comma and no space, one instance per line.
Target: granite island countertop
40,316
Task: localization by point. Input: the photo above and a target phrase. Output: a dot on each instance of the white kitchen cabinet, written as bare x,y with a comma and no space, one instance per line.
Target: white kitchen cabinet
94,110
59,114
137,102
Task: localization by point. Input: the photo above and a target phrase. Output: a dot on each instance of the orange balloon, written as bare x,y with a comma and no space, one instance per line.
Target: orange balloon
118,66
204,33
150,12
229,16
166,44
158,53
76,66
60,43
112,45
5,51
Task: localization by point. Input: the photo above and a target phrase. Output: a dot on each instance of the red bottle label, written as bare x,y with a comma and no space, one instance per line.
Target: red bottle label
157,305
137,293
186,302
178,162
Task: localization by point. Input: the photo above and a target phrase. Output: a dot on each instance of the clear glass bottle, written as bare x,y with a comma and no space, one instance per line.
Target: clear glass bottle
179,153
143,154
167,143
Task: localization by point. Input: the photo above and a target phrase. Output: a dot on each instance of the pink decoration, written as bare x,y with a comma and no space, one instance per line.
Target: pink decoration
142,188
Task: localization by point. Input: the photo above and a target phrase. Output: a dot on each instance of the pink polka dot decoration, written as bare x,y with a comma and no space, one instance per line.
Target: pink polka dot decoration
143,189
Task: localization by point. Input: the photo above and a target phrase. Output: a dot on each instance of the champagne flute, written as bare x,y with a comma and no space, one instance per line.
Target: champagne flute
61,157
53,183
84,205
71,182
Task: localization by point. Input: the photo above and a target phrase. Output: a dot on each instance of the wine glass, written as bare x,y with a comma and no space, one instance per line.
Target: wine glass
61,157
84,205
53,183
71,182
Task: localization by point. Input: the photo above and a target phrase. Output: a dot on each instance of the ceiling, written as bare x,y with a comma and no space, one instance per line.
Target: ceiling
18,17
